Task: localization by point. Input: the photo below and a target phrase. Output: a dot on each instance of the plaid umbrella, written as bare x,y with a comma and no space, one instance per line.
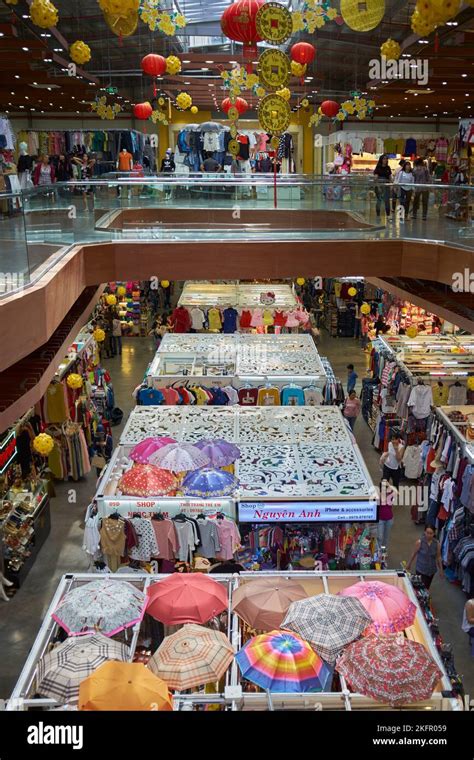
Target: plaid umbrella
390,669
281,661
328,622
388,606
263,603
100,605
192,656
61,670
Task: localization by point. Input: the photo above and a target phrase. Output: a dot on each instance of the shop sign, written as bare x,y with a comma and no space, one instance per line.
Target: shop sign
167,507
307,511
7,451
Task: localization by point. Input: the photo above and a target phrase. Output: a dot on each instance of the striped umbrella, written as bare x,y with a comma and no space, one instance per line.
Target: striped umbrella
61,670
193,656
328,622
281,661
388,606
390,669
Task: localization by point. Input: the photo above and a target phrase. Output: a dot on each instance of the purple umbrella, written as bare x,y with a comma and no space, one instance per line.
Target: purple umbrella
179,457
221,453
143,450
209,483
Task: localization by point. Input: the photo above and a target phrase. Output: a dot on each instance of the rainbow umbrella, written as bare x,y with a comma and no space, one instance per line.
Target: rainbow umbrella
284,662
143,450
209,483
221,453
147,480
388,606
179,457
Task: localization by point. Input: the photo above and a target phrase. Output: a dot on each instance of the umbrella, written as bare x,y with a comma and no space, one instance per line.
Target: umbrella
179,457
102,605
147,480
388,606
210,126
61,670
186,598
282,661
192,656
328,622
209,483
221,453
263,603
143,450
390,669
124,686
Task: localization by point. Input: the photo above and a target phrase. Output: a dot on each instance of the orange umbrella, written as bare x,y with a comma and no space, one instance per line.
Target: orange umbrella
124,686
263,603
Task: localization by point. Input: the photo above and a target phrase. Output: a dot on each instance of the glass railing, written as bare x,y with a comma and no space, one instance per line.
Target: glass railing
38,225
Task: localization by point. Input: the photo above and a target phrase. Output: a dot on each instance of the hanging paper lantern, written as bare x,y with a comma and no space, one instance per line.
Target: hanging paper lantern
300,281
329,108
80,52
154,65
111,299
365,308
194,109
74,380
122,26
119,7
142,111
470,382
390,50
303,53
98,335
43,13
238,22
121,291
43,444
165,283
298,69
240,104
362,17
284,92
412,332
445,9
173,65
352,292
184,100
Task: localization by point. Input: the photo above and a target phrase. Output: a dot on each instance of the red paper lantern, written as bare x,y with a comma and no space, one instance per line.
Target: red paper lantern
240,104
238,23
330,108
303,52
142,110
154,65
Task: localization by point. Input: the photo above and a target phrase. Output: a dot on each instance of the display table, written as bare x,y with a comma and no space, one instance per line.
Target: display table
236,294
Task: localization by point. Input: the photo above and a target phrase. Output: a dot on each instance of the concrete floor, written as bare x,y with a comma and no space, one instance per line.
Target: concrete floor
21,617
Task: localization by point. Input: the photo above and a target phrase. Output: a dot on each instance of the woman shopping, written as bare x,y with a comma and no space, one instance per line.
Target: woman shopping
351,409
405,180
428,557
383,176
384,525
44,173
391,460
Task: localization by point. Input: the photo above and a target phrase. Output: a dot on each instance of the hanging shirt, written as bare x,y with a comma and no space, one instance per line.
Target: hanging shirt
147,543
412,462
457,395
292,396
197,318
232,394
230,320
268,397
410,147
440,394
246,319
257,318
214,319
166,538
210,545
313,396
150,397
248,396
420,401
229,538
181,320
186,539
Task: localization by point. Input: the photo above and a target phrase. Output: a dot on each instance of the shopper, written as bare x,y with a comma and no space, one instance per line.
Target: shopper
383,175
405,181
44,173
391,460
428,557
63,169
384,526
351,409
468,622
395,189
421,176
351,378
210,164
116,336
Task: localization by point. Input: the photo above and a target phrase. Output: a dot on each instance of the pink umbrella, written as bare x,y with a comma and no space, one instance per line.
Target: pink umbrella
179,457
143,450
388,606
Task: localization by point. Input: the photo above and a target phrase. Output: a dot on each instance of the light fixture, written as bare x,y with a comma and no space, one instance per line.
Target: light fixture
26,49
17,76
186,61
58,50
444,83
208,61
12,93
464,75
35,83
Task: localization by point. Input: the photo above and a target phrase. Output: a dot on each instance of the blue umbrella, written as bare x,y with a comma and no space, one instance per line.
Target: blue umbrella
208,483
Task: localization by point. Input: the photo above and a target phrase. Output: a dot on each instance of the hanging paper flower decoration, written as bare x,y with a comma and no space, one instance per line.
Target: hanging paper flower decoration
105,110
119,7
43,444
44,14
173,65
158,116
412,332
155,17
239,79
360,107
74,380
298,69
300,281
365,308
111,299
470,382
305,102
98,335
390,50
312,15
11,2
184,100
80,52
284,93
165,283
352,292
121,291
194,109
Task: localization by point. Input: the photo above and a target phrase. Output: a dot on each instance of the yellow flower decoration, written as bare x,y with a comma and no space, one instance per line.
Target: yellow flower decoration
173,65
80,52
371,104
297,69
298,21
391,50
180,20
361,115
74,380
43,444
252,80
260,92
284,92
348,106
43,13
331,13
320,22
119,7
340,115
225,74
319,10
315,119
184,100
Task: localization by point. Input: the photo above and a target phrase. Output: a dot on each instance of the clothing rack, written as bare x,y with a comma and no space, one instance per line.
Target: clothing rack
466,448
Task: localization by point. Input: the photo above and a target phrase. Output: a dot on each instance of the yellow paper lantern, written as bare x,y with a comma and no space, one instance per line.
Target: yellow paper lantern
43,444
305,102
111,299
365,308
470,382
173,65
80,52
298,69
352,292
122,26
184,100
119,7
74,380
98,335
362,17
445,9
121,291
165,283
391,50
284,93
194,109
412,332
43,13
300,280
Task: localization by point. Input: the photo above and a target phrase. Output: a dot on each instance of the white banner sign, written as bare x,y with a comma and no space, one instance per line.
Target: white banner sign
168,507
307,511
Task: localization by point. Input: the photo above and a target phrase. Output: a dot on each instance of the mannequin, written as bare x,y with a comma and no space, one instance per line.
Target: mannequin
25,162
124,164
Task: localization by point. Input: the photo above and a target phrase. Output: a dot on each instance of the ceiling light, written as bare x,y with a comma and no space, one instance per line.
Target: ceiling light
49,88
451,23
17,76
26,97
35,83
464,75
22,106
452,100
25,15
469,106
208,61
26,49
466,94
444,83
204,68
58,50
186,61
50,104
12,93
424,42
48,60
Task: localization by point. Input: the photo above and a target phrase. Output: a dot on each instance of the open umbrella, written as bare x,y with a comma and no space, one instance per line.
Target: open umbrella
221,453
210,126
61,670
179,457
263,603
192,656
282,661
390,669
124,686
147,480
186,598
388,606
101,605
328,622
208,483
143,450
